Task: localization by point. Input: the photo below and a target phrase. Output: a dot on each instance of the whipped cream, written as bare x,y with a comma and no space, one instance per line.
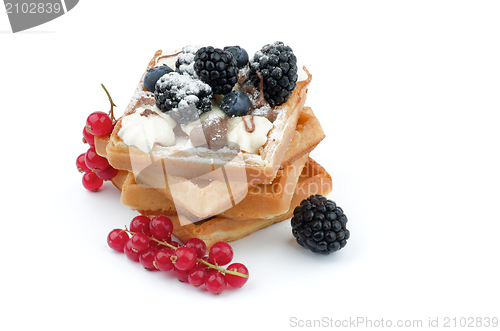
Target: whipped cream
144,128
216,111
238,132
301,73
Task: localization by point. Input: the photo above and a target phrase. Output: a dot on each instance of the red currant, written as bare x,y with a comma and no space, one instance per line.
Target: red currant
198,245
99,124
162,259
215,282
117,239
139,242
130,253
185,258
236,281
140,224
204,258
157,245
108,173
80,163
221,253
87,137
197,276
174,243
91,182
147,258
161,227
182,275
94,161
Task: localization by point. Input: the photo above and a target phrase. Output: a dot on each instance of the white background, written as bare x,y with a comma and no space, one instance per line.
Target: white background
408,93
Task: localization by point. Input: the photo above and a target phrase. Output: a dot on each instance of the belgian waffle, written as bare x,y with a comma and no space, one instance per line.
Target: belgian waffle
261,167
313,180
182,178
214,199
261,201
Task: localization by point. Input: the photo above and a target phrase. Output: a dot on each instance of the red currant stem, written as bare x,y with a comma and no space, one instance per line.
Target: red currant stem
214,266
210,265
111,115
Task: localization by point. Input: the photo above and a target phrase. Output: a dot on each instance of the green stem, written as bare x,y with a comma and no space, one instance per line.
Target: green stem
210,265
111,114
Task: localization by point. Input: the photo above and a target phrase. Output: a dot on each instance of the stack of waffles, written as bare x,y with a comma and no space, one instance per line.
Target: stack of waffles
218,194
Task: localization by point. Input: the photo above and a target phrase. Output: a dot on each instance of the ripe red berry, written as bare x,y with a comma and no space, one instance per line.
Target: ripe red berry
203,265
185,258
215,282
162,260
147,258
174,243
154,243
234,280
99,124
108,173
117,239
87,137
221,253
130,253
140,224
161,227
80,163
182,275
197,276
198,245
139,242
91,182
94,161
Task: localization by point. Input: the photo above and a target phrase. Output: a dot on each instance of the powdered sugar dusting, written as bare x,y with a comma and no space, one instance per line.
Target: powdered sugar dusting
212,119
185,60
262,111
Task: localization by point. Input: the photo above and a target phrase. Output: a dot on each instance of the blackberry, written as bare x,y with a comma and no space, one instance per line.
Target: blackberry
217,68
185,60
182,97
277,65
320,225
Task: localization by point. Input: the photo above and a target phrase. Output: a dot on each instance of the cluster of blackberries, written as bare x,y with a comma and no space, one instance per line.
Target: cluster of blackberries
202,72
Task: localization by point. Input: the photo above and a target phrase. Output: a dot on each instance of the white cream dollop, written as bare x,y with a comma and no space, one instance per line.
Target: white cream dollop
302,75
144,131
248,141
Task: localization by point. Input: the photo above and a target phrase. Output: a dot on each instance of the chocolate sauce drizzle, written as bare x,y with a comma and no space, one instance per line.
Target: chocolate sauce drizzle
166,56
249,127
148,112
251,90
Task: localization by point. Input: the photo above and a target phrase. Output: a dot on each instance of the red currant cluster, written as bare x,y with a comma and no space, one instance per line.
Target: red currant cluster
96,168
151,245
